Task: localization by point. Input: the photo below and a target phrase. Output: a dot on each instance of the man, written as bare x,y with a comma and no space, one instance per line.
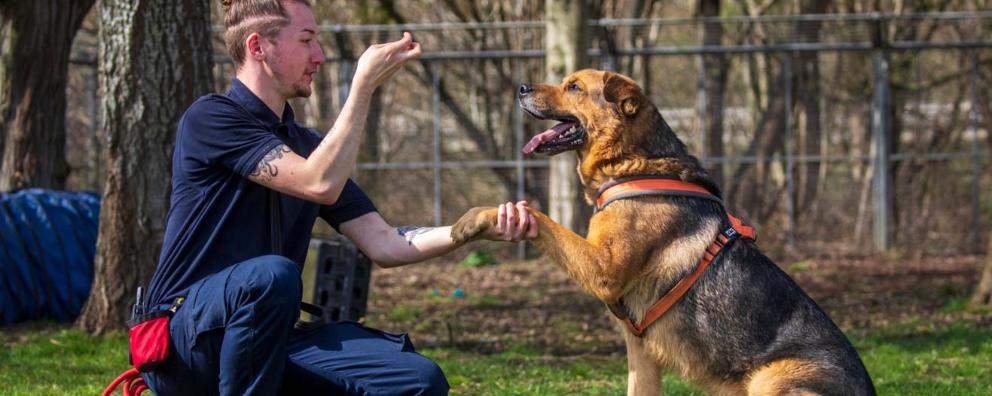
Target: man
233,334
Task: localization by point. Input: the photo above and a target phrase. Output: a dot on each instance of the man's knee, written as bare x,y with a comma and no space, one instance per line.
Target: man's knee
432,381
274,276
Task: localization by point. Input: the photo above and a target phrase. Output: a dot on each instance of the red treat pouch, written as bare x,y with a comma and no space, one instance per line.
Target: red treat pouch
149,338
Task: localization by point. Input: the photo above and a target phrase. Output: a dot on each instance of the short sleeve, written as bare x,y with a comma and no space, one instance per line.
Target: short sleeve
351,204
216,130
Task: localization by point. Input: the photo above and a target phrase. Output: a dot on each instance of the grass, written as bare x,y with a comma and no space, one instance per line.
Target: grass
927,359
53,360
916,358
524,371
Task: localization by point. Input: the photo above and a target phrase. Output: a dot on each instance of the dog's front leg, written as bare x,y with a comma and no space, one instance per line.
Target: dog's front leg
604,263
643,374
600,266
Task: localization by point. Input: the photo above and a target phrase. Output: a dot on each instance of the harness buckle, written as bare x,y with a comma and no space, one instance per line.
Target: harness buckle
730,233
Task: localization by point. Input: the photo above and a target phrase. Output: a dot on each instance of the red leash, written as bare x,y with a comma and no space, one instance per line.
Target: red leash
133,383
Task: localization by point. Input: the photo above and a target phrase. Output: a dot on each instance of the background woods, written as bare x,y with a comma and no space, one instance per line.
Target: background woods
837,127
35,41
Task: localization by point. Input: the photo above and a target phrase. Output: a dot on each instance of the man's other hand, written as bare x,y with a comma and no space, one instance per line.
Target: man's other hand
513,223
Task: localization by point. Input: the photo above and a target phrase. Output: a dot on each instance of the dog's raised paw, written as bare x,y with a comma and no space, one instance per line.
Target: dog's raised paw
473,223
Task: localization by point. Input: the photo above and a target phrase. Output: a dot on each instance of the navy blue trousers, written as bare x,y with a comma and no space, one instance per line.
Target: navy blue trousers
234,336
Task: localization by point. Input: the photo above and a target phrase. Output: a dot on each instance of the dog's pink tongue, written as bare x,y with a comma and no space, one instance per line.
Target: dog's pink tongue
546,136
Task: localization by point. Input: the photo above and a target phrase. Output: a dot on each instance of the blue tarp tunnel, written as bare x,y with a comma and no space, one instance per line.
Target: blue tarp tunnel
47,245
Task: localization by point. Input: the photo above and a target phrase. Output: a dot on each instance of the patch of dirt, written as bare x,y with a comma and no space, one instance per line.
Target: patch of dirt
866,294
531,303
19,333
535,304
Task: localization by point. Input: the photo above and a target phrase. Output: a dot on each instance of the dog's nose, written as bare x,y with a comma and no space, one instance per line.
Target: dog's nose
526,89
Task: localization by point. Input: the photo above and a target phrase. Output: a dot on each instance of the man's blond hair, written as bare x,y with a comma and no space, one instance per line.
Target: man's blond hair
244,17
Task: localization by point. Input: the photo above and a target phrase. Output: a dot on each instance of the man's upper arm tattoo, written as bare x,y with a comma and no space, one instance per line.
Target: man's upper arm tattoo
412,232
266,170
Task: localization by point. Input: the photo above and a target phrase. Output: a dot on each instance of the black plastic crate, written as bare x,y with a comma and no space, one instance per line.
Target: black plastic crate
341,280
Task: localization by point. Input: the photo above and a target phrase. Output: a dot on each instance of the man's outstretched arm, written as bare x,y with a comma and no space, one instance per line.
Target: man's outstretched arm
392,246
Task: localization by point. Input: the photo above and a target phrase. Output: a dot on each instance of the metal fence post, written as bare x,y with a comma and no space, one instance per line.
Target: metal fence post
437,142
976,165
881,135
790,193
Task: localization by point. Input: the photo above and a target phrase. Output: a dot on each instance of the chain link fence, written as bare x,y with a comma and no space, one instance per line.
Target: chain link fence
839,134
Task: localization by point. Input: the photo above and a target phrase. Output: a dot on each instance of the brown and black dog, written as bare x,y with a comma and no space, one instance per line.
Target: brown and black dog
744,327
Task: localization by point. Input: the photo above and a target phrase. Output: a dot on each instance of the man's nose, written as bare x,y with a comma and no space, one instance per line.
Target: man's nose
317,55
525,89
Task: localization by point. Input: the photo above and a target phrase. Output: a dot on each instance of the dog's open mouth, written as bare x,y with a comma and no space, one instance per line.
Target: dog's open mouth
567,135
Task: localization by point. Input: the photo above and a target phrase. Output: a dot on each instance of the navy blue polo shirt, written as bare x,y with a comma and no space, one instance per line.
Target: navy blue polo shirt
217,216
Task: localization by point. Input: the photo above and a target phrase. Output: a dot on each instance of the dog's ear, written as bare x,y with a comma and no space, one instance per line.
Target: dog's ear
622,93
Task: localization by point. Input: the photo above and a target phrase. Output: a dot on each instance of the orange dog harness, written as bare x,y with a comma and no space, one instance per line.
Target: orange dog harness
634,187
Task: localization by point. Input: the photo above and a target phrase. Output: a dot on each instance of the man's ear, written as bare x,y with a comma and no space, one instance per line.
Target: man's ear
253,46
622,93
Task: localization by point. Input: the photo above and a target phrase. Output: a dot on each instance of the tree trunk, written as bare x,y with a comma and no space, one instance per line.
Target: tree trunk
809,93
714,79
155,60
566,42
983,293
36,40
635,39
750,188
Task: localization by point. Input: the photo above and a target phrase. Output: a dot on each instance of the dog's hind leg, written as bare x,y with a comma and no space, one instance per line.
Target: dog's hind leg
786,377
643,373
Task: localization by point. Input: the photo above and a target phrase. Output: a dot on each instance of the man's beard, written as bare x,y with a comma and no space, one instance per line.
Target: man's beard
295,89
302,90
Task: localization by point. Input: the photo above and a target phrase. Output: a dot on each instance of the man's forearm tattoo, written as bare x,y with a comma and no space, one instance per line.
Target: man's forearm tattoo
266,170
411,232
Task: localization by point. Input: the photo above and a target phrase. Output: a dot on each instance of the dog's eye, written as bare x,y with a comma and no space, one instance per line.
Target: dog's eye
573,87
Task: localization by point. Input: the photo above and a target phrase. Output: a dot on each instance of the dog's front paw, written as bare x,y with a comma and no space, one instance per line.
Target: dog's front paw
473,223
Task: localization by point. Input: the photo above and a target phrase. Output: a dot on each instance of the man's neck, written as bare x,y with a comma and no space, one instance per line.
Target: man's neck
262,87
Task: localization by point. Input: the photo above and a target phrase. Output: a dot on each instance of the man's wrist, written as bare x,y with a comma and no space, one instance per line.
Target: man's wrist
361,88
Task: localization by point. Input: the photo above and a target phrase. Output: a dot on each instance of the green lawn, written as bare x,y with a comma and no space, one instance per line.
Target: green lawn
909,359
53,360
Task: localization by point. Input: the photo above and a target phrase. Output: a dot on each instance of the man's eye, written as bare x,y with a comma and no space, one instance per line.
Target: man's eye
573,87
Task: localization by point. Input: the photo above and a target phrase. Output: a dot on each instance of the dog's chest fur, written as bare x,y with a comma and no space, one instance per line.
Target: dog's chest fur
671,250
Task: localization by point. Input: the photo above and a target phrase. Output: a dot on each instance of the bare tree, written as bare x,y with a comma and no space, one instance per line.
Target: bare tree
713,76
566,40
809,94
636,39
155,59
482,136
35,42
983,293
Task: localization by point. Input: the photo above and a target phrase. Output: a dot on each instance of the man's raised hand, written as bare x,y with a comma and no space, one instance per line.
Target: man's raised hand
380,61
